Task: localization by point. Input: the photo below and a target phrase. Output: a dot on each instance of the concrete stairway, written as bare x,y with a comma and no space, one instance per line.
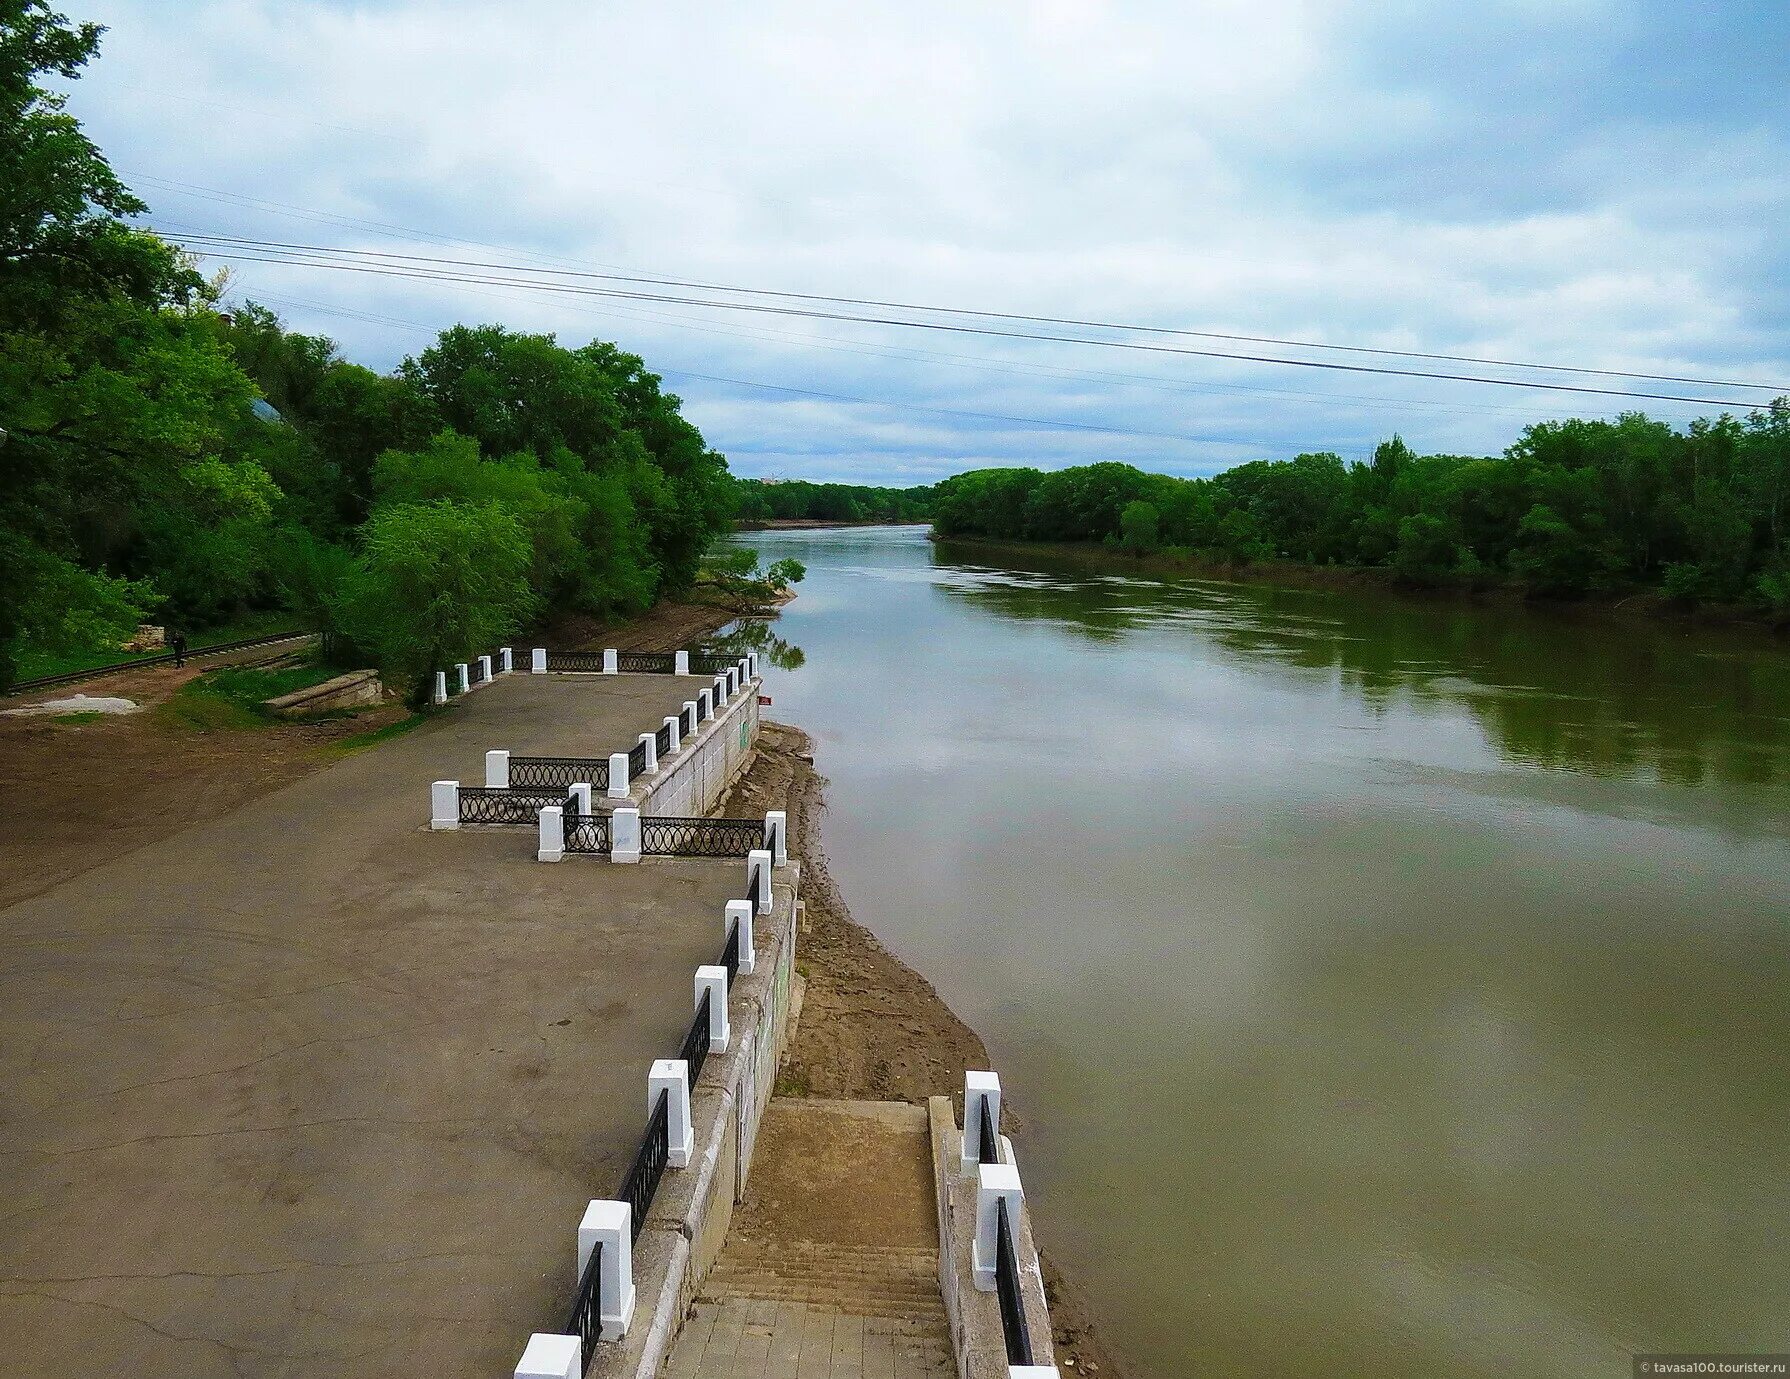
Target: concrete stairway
797,1293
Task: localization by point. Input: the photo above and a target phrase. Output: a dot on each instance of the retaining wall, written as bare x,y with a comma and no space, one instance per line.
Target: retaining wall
699,776
343,692
688,1221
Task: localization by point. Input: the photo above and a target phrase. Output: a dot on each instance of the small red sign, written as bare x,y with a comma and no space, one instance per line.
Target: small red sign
764,701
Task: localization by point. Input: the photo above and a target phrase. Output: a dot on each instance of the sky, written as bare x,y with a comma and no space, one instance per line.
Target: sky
1588,183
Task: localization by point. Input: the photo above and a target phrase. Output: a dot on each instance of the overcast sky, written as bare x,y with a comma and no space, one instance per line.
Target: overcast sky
1582,182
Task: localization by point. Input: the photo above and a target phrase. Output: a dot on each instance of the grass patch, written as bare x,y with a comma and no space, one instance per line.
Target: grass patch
373,737
84,716
230,698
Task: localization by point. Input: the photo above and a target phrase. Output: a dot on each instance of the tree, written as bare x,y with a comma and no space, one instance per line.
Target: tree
1138,527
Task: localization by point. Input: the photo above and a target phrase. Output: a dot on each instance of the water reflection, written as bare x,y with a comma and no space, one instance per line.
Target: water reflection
759,635
1585,694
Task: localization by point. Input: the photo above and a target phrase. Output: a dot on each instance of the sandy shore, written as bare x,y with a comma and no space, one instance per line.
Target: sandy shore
872,1028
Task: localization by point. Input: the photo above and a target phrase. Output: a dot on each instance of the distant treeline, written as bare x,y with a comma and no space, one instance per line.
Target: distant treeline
761,500
164,458
1572,506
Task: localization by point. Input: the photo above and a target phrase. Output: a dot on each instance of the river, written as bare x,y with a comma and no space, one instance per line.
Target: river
1386,988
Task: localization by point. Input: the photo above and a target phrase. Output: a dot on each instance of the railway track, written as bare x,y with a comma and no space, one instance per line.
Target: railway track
165,659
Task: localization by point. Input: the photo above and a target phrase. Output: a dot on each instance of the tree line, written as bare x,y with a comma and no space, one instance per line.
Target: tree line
763,500
162,457
1700,513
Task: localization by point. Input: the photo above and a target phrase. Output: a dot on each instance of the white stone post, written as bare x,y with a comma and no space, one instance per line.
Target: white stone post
705,706
618,775
611,661
1034,1372
607,1224
978,1087
720,690
506,663
672,1075
465,673
650,741
677,734
580,791
441,687
758,878
995,1183
552,846
776,836
694,709
624,835
745,671
485,669
713,980
740,912
537,661
497,770
680,663
551,1356
444,804
752,664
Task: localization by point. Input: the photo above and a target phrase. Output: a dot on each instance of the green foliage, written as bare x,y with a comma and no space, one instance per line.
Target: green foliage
733,572
1570,507
136,473
438,582
763,500
1139,527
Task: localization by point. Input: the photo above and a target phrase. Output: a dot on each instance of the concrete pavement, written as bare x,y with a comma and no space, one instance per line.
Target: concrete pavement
310,1090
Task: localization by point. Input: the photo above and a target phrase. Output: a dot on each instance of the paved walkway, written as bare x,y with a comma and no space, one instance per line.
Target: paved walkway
830,1270
309,1090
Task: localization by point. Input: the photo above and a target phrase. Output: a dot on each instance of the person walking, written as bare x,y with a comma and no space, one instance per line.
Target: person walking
178,642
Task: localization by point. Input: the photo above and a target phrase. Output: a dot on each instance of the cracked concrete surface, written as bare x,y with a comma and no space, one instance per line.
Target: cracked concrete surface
311,1090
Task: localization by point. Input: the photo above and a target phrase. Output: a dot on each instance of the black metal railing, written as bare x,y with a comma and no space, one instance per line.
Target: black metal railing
642,1178
575,660
586,832
686,720
586,1319
710,663
662,740
1006,1284
664,836
481,804
988,1141
730,953
647,662
559,771
637,761
695,1050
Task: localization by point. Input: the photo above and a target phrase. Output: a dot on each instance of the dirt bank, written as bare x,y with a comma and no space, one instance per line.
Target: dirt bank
872,1028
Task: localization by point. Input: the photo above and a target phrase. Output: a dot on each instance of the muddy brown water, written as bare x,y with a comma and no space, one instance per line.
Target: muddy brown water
1390,989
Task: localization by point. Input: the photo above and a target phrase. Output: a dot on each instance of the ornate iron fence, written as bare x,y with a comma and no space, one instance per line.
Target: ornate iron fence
710,662
575,660
647,662
686,721
586,832
695,1050
664,836
642,1178
586,1319
988,1144
481,804
637,761
662,740
559,771
1006,1284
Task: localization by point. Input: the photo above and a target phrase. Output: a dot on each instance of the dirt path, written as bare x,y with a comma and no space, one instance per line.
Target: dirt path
872,1028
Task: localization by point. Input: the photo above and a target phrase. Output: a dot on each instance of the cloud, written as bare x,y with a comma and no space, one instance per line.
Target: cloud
1595,183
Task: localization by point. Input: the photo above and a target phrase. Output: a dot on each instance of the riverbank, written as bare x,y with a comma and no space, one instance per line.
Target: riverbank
872,1028
820,524
1647,605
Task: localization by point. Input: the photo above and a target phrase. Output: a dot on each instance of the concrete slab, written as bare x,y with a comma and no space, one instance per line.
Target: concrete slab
559,716
309,1090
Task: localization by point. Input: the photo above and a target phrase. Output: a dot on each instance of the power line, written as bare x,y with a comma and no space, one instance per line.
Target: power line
697,285
319,258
